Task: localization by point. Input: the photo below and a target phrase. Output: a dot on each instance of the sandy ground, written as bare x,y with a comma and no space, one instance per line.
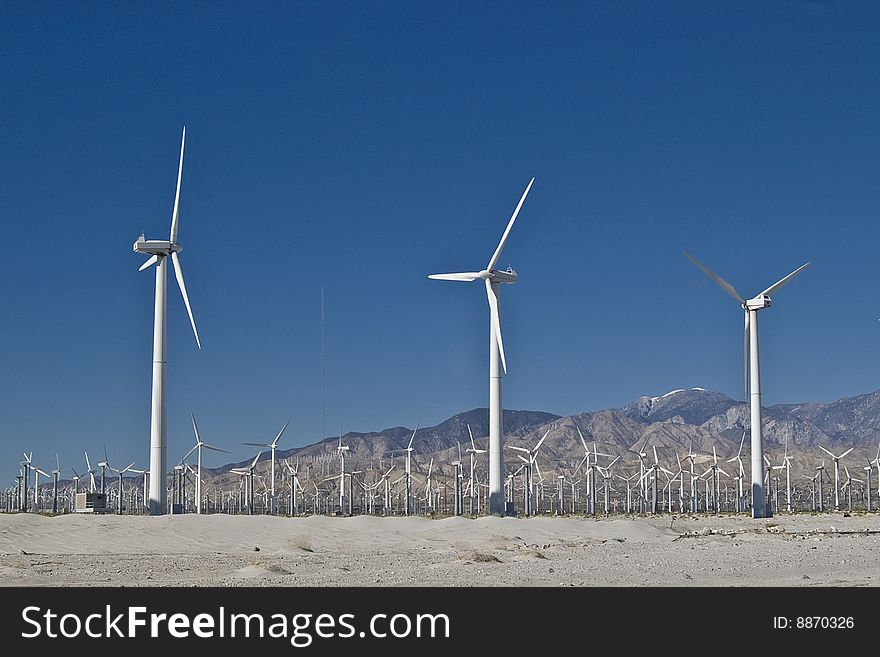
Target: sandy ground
86,550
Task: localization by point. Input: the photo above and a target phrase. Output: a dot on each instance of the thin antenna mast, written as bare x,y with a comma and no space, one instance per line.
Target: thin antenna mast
323,390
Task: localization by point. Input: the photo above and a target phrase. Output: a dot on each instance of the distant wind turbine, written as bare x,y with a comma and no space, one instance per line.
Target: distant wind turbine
493,280
198,449
752,373
272,446
159,250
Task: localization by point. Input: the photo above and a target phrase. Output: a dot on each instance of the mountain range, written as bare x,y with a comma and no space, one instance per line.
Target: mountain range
673,423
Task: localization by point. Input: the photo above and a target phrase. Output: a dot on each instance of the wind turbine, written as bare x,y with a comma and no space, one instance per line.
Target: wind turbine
91,472
386,501
293,471
493,280
457,507
714,468
752,374
836,474
429,497
37,473
848,485
740,500
873,464
159,250
473,451
145,489
120,473
532,463
407,475
198,449
248,474
272,446
55,473
786,463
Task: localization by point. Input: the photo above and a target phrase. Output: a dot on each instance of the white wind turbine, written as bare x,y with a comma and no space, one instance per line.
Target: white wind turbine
247,475
740,500
198,449
786,463
272,446
871,465
760,509
407,474
473,451
91,472
429,497
836,474
531,467
159,250
493,280
295,486
120,493
848,485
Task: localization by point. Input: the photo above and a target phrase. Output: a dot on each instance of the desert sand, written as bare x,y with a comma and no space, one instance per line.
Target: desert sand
668,550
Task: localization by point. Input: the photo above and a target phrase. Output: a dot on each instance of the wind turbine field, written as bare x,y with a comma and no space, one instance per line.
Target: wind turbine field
678,387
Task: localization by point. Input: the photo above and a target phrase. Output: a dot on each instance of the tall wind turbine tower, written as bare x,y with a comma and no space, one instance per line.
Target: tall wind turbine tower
159,250
752,373
494,279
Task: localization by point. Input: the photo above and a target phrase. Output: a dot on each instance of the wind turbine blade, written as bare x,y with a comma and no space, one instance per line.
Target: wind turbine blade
474,447
216,449
413,437
149,263
178,272
258,444
583,442
496,320
195,428
275,442
88,465
518,449
187,455
497,253
535,450
463,277
846,452
176,212
655,453
724,285
778,284
826,451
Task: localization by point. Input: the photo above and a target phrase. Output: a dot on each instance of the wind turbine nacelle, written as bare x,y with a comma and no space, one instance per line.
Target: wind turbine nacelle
758,303
507,276
156,247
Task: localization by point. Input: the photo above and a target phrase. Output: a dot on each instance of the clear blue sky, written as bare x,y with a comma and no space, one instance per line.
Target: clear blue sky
363,146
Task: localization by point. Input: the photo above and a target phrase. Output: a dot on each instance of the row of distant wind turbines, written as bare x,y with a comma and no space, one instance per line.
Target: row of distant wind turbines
160,250
650,498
